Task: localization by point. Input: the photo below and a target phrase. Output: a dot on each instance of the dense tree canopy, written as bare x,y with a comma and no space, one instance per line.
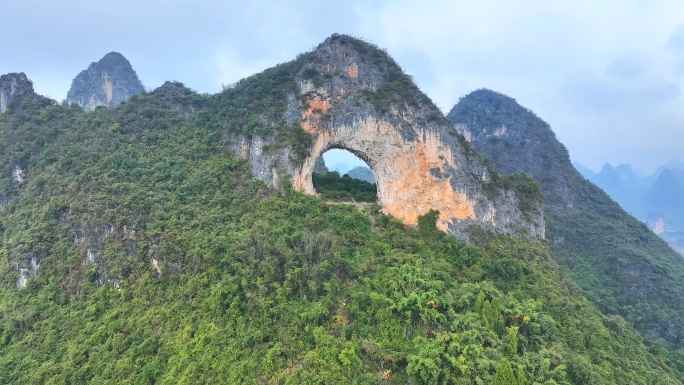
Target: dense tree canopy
162,261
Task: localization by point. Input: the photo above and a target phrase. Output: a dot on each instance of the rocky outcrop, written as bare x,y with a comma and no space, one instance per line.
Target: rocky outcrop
14,87
26,269
107,82
4,201
18,174
350,95
320,167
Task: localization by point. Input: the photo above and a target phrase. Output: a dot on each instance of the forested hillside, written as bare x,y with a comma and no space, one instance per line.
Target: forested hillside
622,266
149,254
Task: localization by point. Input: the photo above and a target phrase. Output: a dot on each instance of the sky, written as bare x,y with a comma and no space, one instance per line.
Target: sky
607,76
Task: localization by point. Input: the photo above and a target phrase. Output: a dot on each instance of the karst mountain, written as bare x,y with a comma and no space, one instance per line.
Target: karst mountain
622,266
107,82
178,237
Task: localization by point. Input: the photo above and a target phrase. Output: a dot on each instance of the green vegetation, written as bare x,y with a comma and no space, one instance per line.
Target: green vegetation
344,188
527,189
397,89
202,275
605,250
621,266
162,261
256,105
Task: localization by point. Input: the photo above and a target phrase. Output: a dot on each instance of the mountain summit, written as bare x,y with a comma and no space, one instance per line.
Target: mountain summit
107,82
14,86
517,141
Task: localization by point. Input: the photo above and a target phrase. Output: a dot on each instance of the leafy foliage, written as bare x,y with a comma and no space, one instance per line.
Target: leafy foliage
620,264
162,261
344,188
504,374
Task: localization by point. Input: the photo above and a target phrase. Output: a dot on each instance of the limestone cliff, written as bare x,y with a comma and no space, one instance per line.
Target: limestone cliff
14,86
320,167
107,82
517,141
351,95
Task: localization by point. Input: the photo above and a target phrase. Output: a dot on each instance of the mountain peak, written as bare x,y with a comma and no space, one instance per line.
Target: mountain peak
610,254
607,168
666,192
512,135
14,86
115,57
487,96
107,82
675,163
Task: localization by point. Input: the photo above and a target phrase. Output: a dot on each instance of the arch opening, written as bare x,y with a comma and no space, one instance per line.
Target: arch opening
341,175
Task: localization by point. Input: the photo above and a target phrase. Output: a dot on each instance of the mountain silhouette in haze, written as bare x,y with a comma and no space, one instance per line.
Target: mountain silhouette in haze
586,172
622,184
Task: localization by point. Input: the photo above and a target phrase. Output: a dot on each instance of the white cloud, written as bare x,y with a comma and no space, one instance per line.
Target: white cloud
560,59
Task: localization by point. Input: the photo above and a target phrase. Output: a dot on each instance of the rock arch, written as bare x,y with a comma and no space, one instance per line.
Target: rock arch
350,95
411,176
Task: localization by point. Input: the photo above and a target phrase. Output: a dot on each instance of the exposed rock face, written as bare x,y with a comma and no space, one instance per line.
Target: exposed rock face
13,87
18,174
517,141
107,82
352,96
4,201
657,225
26,269
320,167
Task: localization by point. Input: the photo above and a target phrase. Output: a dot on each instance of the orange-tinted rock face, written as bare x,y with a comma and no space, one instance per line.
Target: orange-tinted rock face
352,70
405,172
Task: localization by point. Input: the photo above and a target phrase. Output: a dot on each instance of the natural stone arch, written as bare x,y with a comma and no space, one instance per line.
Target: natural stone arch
339,147
350,95
307,186
409,174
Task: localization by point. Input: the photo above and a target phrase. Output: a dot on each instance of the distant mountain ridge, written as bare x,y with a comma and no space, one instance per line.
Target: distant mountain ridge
622,184
667,192
362,173
107,82
586,172
654,199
